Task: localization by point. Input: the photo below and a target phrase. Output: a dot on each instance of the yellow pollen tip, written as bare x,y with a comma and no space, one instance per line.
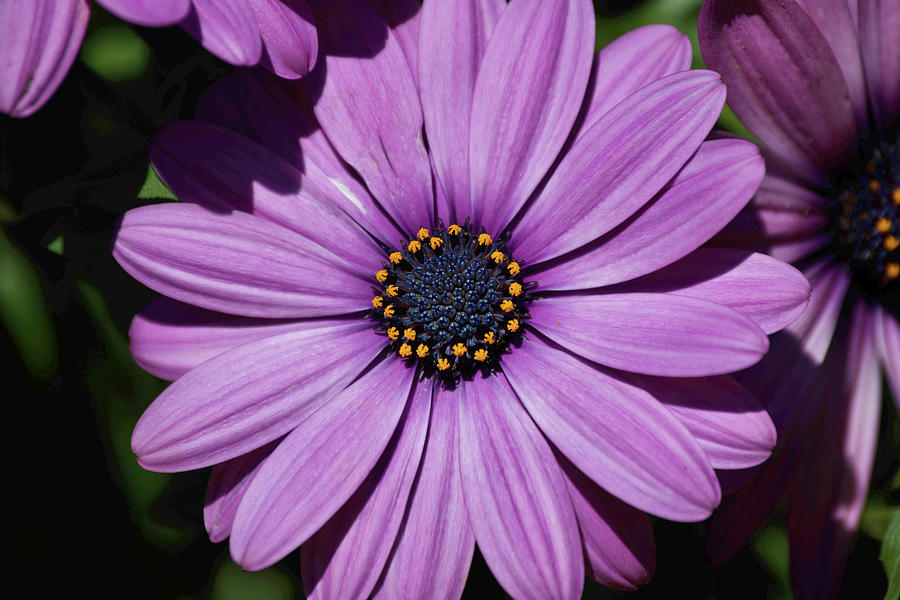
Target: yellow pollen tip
515,289
497,257
435,243
891,243
484,239
895,196
389,311
882,225
443,364
513,325
393,334
405,350
481,355
507,306
460,349
453,230
513,268
422,351
410,334
391,290
423,233
489,337
414,246
377,301
874,185
381,276
891,271
395,257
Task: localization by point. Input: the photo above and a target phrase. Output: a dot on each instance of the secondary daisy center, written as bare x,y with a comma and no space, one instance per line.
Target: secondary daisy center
452,300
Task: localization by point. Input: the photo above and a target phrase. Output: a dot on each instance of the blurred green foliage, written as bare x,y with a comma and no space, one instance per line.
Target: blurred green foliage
115,52
890,556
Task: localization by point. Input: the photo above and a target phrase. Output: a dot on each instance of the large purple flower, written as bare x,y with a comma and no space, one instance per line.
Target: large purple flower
39,39
819,83
448,290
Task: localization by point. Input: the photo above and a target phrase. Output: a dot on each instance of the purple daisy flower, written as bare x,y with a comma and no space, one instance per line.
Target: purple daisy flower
39,39
819,83
391,348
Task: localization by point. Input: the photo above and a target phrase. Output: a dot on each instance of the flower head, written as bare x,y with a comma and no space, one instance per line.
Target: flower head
537,410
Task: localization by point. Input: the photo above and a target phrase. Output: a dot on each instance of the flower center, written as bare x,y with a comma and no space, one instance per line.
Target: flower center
866,218
452,301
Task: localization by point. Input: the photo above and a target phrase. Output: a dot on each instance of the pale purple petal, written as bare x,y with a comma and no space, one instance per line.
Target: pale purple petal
772,293
404,18
319,465
452,40
515,491
290,46
655,334
346,556
227,28
150,13
249,396
619,164
527,96
434,548
879,22
39,39
729,424
228,482
632,61
614,432
783,80
236,263
702,198
619,548
888,331
369,109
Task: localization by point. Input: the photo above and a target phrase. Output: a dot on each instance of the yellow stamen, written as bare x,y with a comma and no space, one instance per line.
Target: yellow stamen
489,337
423,233
395,257
391,290
874,185
389,311
481,355
460,349
484,239
453,230
409,334
435,243
377,301
513,268
393,334
513,325
414,246
507,305
891,271
381,276
882,225
422,351
443,364
891,242
515,289
405,350
497,256
895,196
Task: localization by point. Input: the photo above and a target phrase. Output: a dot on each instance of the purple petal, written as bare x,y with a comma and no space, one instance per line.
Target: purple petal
772,293
249,396
705,195
888,330
729,424
38,42
222,169
433,551
236,263
783,80
319,465
654,334
369,108
632,61
528,93
150,13
619,164
228,482
169,338
516,494
452,42
290,46
346,556
615,433
619,548
403,17
227,28
879,22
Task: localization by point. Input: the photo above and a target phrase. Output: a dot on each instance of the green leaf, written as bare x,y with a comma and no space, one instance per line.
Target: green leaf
154,188
890,556
230,582
115,53
771,547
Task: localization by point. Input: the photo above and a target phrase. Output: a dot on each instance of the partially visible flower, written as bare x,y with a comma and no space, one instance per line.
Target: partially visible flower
449,291
39,39
819,83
